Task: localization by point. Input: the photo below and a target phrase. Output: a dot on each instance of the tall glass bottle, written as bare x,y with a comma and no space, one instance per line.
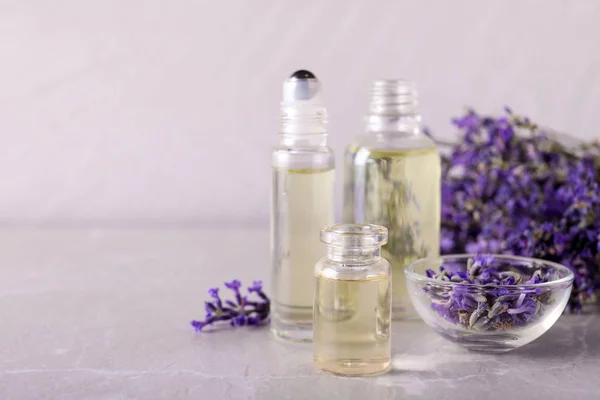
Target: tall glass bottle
301,204
392,178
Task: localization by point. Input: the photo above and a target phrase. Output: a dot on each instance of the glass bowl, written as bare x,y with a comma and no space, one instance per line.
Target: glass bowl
487,317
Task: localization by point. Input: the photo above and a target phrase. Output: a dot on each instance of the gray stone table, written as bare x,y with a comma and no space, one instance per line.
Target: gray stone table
104,314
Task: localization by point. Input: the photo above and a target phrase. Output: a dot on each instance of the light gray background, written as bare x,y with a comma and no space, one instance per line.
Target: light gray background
120,111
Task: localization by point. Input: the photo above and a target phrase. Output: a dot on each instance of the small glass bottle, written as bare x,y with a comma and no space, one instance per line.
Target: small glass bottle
353,300
301,204
392,178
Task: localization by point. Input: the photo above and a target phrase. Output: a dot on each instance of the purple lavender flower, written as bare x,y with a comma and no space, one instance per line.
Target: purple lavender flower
197,325
256,286
233,285
244,311
240,320
488,309
508,187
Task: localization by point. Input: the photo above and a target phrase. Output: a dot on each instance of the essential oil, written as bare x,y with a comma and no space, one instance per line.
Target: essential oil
301,193
352,311
392,178
301,204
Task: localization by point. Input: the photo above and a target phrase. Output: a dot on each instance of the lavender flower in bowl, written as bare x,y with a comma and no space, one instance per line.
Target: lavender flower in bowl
489,303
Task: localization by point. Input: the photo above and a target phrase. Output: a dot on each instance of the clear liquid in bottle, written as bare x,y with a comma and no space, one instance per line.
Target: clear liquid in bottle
398,189
301,198
356,342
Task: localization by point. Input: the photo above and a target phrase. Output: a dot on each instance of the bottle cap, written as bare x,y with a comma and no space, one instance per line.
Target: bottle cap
302,109
302,86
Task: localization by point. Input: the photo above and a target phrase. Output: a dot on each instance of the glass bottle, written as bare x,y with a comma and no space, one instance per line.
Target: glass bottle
392,178
301,204
353,296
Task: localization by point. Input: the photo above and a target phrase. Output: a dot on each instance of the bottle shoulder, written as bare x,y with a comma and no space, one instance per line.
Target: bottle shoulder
392,142
378,269
316,158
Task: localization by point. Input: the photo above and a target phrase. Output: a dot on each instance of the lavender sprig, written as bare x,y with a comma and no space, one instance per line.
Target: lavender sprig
486,308
509,187
243,311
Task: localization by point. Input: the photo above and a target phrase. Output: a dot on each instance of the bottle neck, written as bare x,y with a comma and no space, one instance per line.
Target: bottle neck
393,108
302,120
303,140
398,125
353,256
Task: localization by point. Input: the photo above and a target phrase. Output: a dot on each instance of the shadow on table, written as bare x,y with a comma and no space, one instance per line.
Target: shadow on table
573,336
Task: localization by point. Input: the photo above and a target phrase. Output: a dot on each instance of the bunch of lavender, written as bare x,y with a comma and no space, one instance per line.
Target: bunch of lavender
499,308
239,313
509,187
